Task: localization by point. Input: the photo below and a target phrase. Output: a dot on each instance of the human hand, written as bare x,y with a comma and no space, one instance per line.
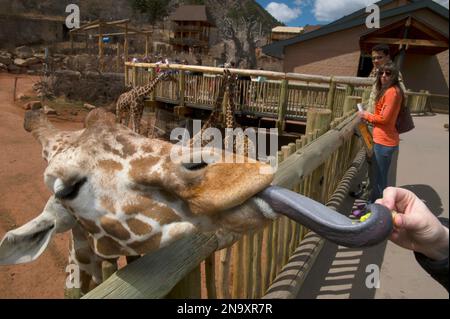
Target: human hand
415,227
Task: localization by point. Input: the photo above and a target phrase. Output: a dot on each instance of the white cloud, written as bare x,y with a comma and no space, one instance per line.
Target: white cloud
328,11
282,12
443,3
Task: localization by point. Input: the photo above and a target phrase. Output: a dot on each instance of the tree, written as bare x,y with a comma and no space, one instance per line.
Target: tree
155,10
241,24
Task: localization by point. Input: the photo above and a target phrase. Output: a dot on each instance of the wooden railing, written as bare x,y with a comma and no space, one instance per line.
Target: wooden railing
283,96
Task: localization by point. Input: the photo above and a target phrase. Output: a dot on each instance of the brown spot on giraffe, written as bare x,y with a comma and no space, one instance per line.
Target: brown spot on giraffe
139,168
139,227
114,228
145,206
127,147
89,225
110,166
147,148
83,255
142,247
108,204
109,247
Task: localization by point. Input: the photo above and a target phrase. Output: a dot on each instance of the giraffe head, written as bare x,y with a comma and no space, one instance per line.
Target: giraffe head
129,195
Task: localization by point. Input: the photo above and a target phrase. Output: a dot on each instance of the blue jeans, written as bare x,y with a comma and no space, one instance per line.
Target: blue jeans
381,161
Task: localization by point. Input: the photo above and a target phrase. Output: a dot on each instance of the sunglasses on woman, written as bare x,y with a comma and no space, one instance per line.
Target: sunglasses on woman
387,73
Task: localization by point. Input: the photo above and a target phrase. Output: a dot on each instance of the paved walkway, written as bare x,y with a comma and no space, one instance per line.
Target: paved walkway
423,167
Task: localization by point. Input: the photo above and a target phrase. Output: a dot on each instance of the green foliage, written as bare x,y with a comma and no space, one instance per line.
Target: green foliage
154,9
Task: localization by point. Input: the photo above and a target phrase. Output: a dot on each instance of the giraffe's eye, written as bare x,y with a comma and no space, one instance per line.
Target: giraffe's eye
195,166
70,192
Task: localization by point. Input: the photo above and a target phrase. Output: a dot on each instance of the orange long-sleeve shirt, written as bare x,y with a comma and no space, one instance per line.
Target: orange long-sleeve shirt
385,117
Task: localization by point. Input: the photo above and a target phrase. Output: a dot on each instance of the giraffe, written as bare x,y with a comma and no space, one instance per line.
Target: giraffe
131,103
122,194
241,143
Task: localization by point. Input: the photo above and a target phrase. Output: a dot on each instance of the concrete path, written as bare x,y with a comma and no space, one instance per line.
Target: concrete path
422,167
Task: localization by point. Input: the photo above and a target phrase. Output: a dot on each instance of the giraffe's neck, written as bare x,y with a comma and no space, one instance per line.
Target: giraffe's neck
146,89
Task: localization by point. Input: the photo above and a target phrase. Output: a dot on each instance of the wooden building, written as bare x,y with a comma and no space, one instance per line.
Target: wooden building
191,29
416,31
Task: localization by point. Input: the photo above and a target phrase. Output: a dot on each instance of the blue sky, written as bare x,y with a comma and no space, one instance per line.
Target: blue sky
302,12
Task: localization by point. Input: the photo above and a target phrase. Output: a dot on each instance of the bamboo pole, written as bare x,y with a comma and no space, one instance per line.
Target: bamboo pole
282,106
182,88
125,43
268,240
100,47
224,272
238,275
248,265
256,271
109,267
350,104
210,274
330,97
118,57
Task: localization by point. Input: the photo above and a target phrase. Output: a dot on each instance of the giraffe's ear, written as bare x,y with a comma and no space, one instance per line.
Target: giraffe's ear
29,241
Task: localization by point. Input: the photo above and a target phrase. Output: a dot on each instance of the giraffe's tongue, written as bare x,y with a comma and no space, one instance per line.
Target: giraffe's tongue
327,222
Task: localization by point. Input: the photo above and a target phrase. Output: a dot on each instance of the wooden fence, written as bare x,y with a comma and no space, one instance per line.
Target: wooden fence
283,96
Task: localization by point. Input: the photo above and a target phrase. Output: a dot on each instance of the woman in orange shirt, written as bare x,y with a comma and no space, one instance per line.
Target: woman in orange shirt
385,136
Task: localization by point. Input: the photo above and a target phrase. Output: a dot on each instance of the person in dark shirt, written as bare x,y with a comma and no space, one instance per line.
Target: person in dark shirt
417,229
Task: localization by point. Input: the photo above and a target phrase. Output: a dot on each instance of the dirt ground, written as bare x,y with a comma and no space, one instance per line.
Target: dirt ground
23,194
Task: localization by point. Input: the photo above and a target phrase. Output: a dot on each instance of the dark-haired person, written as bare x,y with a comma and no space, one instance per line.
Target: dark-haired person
380,56
386,139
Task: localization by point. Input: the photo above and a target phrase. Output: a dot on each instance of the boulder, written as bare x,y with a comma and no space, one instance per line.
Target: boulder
7,60
26,62
19,62
89,106
23,97
24,52
33,105
49,111
14,68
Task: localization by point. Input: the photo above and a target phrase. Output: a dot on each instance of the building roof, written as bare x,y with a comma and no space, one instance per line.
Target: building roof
357,18
190,13
287,29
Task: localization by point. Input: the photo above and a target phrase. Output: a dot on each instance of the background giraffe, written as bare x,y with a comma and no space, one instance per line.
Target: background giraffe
131,104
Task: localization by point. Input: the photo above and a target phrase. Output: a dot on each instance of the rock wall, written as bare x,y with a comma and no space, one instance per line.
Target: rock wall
91,87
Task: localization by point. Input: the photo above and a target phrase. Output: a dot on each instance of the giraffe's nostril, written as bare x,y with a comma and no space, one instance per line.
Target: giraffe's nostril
71,191
195,166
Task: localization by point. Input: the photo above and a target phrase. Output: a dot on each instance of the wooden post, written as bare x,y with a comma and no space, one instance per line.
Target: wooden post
71,43
127,80
350,90
318,119
182,88
100,47
282,106
330,98
147,40
118,57
109,267
135,76
15,88
210,274
125,43
350,104
152,76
